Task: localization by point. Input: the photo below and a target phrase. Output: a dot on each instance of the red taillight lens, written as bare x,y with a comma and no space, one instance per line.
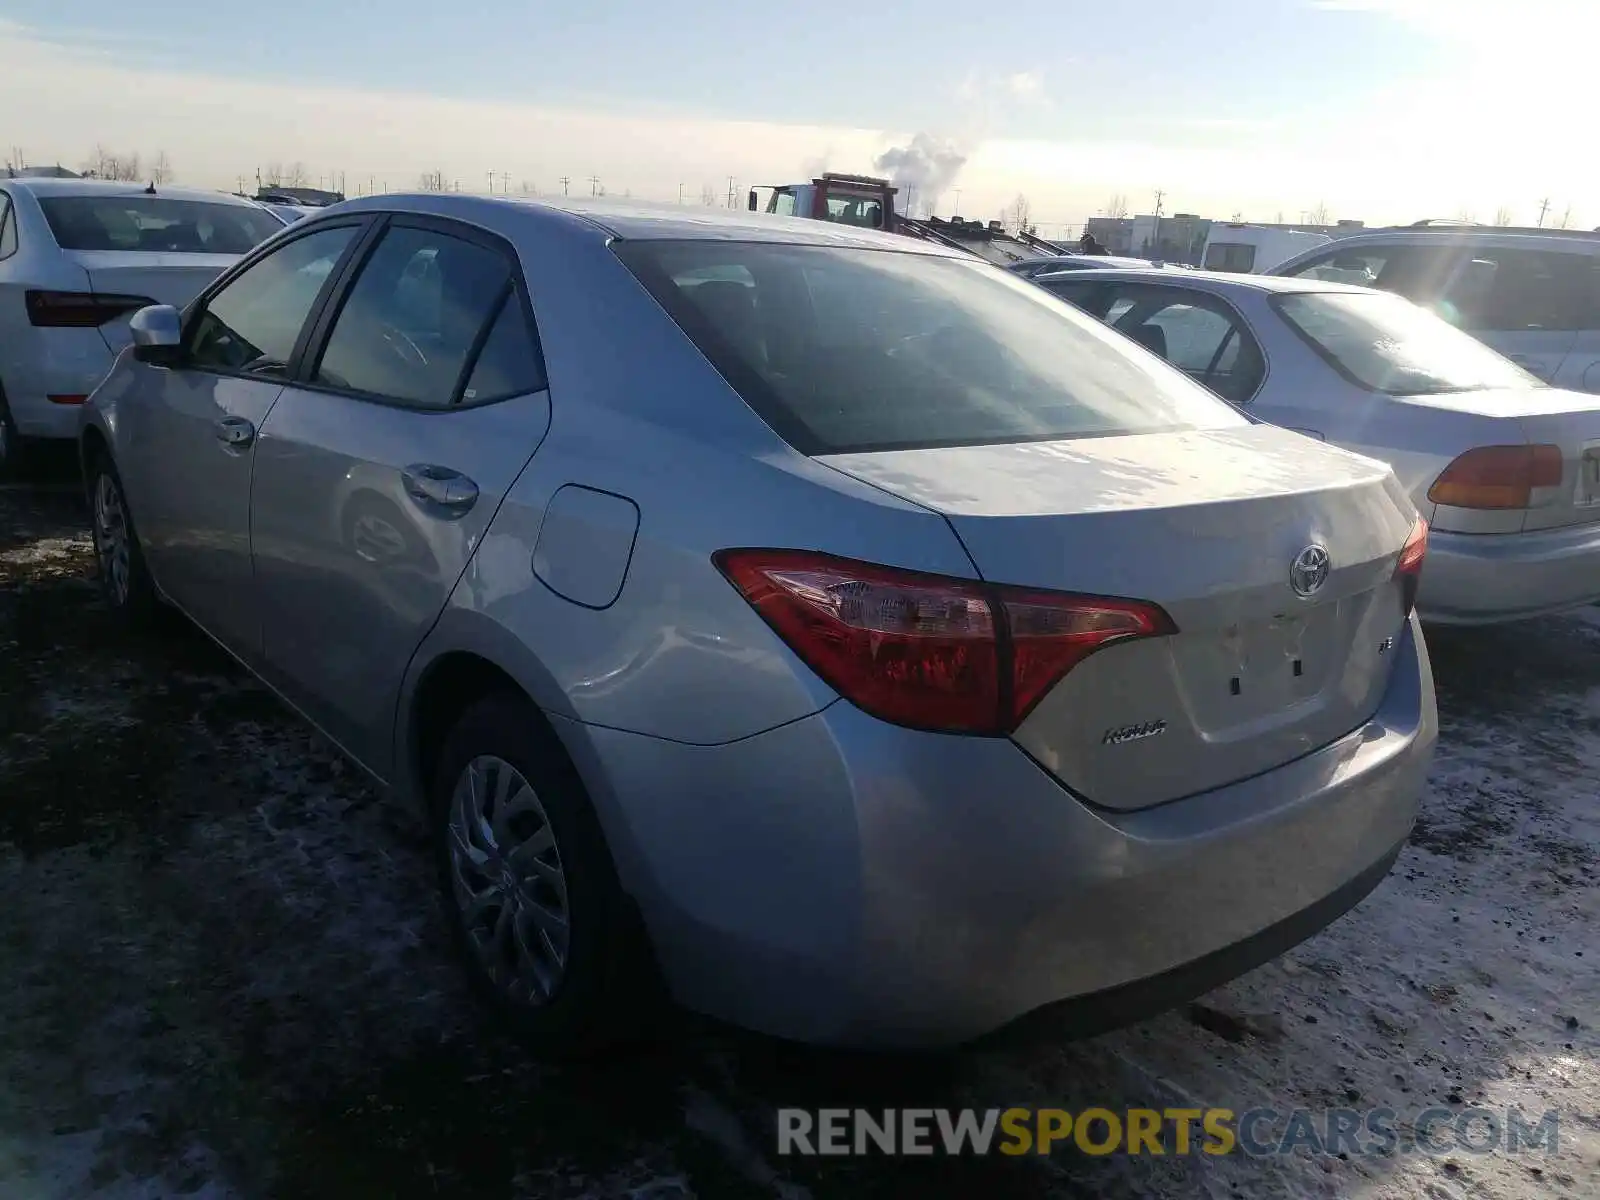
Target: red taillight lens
1409,569
928,651
1498,477
78,310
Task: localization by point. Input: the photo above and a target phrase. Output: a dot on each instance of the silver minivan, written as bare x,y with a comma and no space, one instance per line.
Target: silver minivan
1531,294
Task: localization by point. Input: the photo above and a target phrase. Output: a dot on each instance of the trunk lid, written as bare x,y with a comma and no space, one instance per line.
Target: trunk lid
1207,524
163,278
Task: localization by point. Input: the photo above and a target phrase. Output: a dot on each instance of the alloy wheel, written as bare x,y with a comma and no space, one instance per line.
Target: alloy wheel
508,881
111,537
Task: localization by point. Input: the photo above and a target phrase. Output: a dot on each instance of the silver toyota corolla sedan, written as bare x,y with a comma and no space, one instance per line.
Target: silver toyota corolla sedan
841,631
1505,469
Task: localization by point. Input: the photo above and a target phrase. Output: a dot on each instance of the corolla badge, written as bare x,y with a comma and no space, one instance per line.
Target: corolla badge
1132,733
1310,570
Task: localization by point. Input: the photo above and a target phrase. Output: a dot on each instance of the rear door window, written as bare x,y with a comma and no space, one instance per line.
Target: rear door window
1236,257
1493,290
156,224
1197,333
845,349
413,317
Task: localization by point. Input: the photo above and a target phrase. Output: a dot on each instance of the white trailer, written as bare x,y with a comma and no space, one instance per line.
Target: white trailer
1252,249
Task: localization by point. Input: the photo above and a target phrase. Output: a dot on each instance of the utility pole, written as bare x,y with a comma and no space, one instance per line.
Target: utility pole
1544,207
594,185
957,210
680,193
1156,235
1566,217
730,191
491,183
565,179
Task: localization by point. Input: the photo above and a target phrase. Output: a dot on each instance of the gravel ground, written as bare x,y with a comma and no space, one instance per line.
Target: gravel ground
226,977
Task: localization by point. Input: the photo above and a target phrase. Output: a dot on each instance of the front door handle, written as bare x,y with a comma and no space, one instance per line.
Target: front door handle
234,432
440,488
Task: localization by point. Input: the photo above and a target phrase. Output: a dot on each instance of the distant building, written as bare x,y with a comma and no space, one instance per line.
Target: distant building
1181,237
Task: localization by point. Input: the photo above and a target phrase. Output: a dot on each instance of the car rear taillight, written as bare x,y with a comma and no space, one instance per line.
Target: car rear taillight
1409,569
1499,477
78,310
927,651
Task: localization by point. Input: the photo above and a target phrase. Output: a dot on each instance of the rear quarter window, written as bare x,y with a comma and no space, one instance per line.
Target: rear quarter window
843,350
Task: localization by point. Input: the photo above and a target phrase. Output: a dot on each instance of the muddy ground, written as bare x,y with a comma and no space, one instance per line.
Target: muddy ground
224,974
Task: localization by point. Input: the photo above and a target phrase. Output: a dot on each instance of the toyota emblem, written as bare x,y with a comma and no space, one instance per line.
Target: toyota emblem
1309,571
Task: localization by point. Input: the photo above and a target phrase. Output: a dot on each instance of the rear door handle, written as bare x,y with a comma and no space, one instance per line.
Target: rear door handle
440,489
234,432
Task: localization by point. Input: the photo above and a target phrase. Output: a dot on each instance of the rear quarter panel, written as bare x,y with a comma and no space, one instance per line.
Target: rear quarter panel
637,412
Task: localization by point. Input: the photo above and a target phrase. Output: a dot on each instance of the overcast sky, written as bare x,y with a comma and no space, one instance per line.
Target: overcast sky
1386,110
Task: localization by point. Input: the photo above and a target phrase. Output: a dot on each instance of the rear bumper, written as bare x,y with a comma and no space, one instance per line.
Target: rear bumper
1478,579
55,362
842,881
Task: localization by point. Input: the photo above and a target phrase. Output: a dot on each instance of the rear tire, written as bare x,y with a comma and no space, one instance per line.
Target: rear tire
13,446
548,938
124,579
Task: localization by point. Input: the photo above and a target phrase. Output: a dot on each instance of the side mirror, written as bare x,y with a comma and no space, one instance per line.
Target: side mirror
157,334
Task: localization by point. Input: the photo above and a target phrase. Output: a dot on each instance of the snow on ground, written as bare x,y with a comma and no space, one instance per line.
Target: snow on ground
226,977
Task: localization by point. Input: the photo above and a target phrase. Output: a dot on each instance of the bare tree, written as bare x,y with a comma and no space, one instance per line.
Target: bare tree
1468,215
161,170
107,164
272,175
1319,215
528,189
431,181
1502,215
708,195
1117,207
1021,214
295,175
1238,216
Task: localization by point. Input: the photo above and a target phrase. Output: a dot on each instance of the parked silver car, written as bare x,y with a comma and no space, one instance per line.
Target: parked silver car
1505,469
77,258
840,627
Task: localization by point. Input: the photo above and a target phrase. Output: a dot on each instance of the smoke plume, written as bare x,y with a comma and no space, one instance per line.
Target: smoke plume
926,167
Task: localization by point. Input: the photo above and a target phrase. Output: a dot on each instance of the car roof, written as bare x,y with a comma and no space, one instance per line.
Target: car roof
46,186
1215,281
1571,241
631,220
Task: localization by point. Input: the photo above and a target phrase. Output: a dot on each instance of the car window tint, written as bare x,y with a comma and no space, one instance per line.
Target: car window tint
1235,257
413,316
509,363
843,349
1360,267
1199,334
8,227
253,323
156,224
1503,290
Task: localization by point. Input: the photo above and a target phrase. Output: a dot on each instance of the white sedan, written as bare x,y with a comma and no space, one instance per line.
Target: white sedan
1505,469
78,257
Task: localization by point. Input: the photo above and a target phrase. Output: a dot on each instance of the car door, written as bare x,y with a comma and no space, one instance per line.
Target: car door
421,399
191,439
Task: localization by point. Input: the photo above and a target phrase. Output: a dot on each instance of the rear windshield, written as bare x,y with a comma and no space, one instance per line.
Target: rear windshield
843,349
155,224
1388,344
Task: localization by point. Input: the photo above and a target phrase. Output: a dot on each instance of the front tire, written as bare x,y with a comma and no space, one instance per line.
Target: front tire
124,579
547,935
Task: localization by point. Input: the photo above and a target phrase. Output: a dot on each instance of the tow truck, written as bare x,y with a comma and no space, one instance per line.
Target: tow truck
869,203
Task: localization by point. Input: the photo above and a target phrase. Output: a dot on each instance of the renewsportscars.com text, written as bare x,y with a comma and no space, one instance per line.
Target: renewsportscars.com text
1260,1132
